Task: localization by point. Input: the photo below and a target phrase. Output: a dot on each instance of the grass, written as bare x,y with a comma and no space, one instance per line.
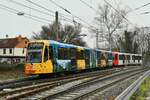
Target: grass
141,93
11,71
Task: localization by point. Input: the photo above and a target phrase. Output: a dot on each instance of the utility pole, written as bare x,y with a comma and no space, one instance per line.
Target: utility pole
109,42
97,39
57,26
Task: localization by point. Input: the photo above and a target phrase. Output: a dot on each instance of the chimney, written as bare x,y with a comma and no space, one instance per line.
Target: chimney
19,37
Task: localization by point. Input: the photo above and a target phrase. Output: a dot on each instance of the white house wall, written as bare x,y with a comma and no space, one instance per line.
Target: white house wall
7,52
19,52
15,52
17,55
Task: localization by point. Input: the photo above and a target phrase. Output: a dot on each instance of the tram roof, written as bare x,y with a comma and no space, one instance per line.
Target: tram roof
61,44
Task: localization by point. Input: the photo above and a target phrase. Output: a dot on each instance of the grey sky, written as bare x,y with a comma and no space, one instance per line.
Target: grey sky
13,25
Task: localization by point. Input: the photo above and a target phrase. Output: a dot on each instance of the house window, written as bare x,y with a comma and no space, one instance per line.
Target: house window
23,51
10,51
4,51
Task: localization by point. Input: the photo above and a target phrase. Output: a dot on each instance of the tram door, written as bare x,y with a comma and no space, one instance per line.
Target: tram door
102,59
87,58
116,60
51,53
73,57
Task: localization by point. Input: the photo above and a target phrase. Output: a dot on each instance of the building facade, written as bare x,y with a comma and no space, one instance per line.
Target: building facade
13,50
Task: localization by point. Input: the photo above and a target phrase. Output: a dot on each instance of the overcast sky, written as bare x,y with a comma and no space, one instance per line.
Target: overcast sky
13,25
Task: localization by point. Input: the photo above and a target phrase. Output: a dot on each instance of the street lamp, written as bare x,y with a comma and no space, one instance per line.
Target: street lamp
20,13
81,35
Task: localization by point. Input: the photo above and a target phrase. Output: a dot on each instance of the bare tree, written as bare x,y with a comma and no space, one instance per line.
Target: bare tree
108,21
144,44
67,34
128,42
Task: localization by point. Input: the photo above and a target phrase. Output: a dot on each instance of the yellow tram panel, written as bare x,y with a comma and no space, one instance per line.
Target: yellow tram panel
80,64
103,63
39,68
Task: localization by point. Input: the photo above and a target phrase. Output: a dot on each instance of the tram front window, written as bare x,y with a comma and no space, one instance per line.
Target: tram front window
34,57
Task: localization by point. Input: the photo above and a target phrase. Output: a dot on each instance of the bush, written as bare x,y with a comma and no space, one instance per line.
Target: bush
141,93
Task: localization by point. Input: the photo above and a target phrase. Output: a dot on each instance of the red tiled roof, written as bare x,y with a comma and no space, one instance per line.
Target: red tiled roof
11,42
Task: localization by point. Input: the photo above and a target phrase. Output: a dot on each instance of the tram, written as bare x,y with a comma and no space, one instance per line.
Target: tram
48,56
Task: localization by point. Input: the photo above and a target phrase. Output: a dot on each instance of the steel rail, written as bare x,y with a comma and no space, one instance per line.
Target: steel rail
36,80
40,87
11,84
25,91
84,84
106,86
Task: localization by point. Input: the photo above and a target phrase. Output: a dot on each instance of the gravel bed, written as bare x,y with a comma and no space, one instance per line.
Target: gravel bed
112,92
56,89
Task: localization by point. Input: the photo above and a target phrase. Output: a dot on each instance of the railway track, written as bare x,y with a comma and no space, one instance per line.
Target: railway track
128,93
52,89
18,82
27,85
111,91
80,91
36,79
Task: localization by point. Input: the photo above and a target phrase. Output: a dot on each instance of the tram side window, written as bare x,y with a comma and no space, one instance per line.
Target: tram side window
87,54
63,53
128,57
60,53
98,55
120,57
133,58
46,54
72,53
66,53
138,58
110,56
80,54
124,57
106,55
50,52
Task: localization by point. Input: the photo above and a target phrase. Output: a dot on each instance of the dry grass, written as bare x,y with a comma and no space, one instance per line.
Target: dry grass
7,73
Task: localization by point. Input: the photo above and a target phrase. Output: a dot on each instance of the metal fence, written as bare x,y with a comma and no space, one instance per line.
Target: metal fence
126,94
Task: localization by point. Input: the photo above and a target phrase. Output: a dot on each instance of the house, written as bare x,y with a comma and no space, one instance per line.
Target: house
13,50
